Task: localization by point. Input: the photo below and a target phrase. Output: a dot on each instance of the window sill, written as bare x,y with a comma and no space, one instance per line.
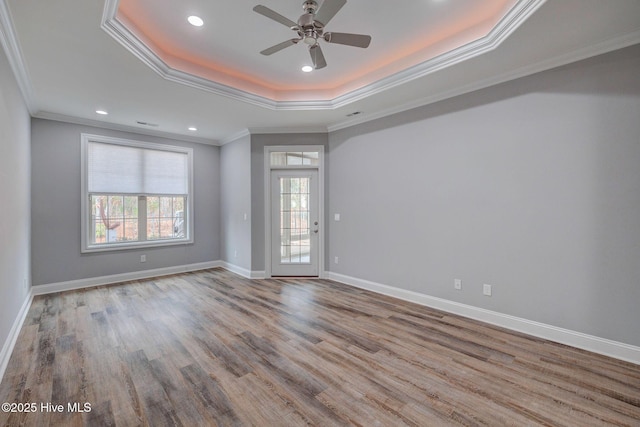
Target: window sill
112,247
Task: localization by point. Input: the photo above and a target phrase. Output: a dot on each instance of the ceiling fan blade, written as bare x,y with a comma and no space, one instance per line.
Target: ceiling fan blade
357,40
317,57
265,11
328,10
277,48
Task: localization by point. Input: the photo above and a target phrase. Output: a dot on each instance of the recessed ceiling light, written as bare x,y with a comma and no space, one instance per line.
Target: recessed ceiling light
193,128
196,21
307,68
102,112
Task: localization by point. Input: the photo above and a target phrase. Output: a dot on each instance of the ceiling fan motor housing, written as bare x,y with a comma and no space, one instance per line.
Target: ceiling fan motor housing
309,28
306,21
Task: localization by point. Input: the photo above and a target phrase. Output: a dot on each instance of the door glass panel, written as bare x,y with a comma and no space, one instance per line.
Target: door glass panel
295,231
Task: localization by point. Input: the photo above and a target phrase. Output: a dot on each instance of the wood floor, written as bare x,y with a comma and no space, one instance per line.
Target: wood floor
211,348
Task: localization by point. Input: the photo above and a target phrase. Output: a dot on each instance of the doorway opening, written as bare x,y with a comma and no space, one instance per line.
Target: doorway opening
294,232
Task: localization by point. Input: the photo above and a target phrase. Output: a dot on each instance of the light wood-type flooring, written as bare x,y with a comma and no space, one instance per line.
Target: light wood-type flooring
212,348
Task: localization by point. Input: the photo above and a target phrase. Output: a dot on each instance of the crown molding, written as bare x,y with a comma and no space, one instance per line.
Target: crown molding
123,128
12,49
270,131
118,31
509,23
618,42
236,136
307,129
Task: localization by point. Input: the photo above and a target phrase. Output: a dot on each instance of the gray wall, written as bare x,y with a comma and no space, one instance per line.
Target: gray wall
55,202
14,193
258,143
532,186
235,170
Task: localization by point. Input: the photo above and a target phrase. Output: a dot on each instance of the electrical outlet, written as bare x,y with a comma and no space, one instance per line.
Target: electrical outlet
486,290
457,284
143,258
335,260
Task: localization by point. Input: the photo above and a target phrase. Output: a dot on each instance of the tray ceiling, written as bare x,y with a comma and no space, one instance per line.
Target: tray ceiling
140,61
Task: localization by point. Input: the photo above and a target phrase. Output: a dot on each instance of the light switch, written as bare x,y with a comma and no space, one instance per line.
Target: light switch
336,217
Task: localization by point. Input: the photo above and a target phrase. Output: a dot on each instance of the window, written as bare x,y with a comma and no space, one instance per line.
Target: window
289,158
135,194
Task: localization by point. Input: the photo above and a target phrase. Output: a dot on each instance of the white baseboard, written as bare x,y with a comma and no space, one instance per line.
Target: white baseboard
259,274
7,348
249,274
124,277
591,343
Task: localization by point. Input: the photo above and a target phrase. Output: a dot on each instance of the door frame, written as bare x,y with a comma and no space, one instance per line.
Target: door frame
267,199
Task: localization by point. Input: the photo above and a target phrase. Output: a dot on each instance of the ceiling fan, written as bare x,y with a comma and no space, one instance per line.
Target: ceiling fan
310,29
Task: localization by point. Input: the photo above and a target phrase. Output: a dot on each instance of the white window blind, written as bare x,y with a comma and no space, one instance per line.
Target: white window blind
113,168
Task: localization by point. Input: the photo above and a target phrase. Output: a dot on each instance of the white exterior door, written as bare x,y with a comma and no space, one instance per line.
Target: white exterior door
295,222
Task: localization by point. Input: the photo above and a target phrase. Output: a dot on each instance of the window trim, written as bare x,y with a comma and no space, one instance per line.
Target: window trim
85,223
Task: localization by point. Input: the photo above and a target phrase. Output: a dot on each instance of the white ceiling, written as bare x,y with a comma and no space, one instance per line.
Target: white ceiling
72,57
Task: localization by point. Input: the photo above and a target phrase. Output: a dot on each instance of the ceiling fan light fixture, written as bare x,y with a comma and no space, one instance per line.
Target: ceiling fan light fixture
196,21
101,112
307,68
193,128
